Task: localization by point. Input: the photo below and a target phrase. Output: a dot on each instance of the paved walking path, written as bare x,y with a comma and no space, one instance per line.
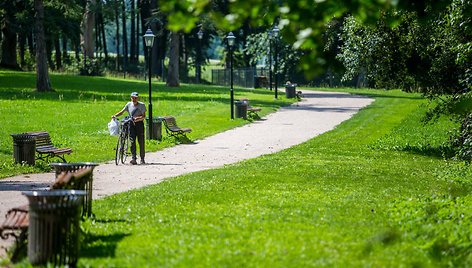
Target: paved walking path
317,113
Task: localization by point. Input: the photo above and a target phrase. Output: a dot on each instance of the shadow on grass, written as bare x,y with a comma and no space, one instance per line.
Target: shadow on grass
101,246
436,152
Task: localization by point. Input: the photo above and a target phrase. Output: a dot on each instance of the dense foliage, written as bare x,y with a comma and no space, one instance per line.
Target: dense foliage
258,45
430,54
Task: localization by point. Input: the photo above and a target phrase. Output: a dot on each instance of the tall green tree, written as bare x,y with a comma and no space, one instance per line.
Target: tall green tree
88,26
43,82
9,28
173,78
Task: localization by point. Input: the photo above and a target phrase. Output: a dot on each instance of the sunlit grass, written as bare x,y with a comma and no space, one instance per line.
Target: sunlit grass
77,112
336,200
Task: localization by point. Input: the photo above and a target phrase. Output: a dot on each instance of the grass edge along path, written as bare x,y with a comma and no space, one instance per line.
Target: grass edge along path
77,112
339,199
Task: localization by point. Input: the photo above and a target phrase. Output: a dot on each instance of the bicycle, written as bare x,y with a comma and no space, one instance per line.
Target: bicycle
122,146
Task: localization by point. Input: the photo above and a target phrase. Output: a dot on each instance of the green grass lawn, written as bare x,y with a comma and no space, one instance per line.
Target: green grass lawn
371,193
77,113
374,192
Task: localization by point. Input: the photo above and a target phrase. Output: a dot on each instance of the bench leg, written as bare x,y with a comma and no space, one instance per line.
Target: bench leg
20,247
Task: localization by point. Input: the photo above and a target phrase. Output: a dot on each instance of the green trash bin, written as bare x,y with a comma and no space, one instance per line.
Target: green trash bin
290,91
156,127
241,109
24,148
54,226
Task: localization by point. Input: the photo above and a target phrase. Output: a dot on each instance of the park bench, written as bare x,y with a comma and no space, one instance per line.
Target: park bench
17,219
252,111
173,129
16,225
45,149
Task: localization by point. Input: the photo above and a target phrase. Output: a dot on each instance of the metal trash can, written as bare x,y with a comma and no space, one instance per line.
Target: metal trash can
70,167
241,109
156,127
24,148
290,91
54,226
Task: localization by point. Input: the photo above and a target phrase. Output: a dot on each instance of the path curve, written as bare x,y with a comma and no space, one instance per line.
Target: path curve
317,113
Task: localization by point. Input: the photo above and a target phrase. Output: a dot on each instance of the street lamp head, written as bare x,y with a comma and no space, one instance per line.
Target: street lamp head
230,39
275,31
149,38
200,34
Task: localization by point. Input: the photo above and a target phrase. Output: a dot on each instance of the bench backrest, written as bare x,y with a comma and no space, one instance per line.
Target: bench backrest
170,121
76,180
42,138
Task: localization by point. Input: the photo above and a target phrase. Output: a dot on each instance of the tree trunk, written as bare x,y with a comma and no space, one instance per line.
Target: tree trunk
132,48
173,73
184,73
8,47
138,36
145,8
22,41
162,46
49,52
65,56
98,35
117,37
43,83
58,56
31,47
88,24
104,39
125,37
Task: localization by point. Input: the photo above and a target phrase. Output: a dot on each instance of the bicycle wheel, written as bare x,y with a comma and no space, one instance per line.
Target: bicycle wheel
118,149
124,147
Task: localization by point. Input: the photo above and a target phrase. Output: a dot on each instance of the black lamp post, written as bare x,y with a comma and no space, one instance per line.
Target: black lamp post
270,58
231,39
199,56
149,40
275,32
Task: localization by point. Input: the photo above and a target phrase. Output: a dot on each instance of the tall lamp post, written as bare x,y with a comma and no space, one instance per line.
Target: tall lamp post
230,37
275,32
149,40
270,58
199,56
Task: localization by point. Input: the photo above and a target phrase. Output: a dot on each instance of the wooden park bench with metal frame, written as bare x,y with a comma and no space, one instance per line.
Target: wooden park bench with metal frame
17,219
45,149
173,129
252,111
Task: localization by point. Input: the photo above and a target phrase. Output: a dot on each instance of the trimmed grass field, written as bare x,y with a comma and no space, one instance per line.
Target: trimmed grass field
374,192
77,113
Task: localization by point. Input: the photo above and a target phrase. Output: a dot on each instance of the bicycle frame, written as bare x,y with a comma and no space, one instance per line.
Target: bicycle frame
122,145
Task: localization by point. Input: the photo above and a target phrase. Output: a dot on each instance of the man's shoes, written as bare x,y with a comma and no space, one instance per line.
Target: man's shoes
142,162
133,162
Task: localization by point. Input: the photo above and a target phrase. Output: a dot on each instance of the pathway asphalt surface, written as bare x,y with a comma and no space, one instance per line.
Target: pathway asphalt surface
317,113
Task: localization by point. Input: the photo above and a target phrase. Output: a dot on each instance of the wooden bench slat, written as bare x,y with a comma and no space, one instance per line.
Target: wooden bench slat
173,129
250,109
45,148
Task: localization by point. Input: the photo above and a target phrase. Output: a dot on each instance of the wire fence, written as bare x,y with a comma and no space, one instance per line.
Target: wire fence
242,77
259,77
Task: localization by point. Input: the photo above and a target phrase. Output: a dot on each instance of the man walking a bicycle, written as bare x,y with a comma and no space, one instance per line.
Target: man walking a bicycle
137,111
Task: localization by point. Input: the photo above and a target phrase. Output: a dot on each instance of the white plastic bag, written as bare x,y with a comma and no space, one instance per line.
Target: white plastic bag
113,127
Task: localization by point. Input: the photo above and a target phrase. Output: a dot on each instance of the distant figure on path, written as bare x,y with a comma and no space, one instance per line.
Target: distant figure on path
137,110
